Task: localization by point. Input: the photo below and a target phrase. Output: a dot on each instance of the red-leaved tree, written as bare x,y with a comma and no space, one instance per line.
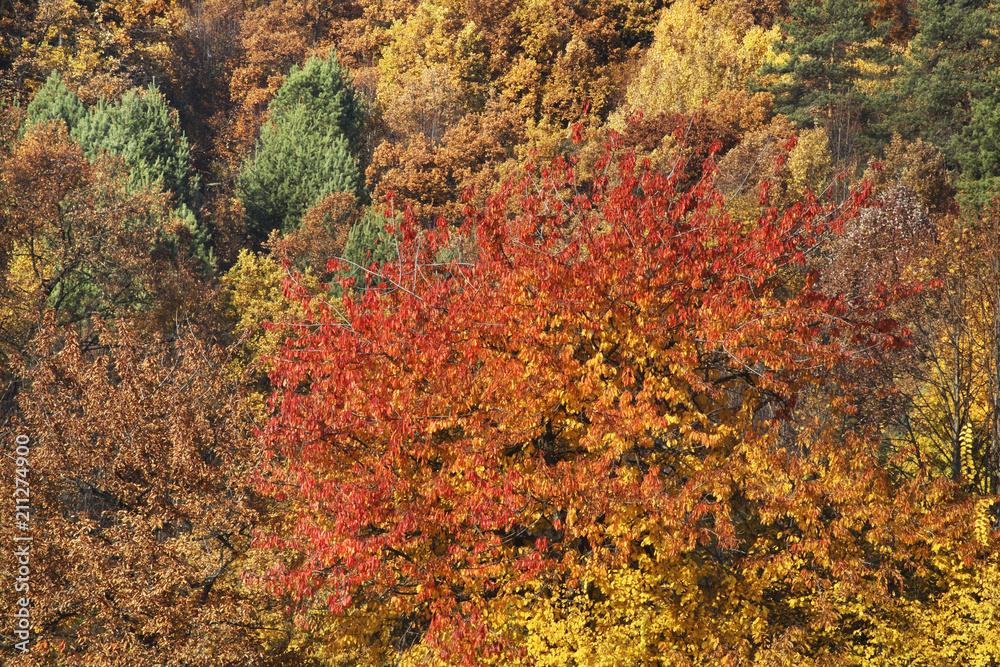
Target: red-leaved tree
626,379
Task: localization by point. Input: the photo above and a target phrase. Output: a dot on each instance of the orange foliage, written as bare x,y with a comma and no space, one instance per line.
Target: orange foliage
432,179
616,375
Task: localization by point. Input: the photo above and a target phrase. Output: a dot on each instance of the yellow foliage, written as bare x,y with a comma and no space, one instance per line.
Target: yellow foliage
966,440
432,68
547,139
544,34
253,295
744,167
103,50
695,55
544,29
22,282
876,78
982,520
810,164
933,412
960,626
951,406
680,611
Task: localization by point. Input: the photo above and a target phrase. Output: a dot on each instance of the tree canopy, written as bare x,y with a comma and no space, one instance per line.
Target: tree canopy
538,333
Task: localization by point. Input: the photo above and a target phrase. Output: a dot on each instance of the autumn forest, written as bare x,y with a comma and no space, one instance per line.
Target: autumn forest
555,333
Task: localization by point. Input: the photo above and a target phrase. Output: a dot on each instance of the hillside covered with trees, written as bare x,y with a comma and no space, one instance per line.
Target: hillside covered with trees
511,332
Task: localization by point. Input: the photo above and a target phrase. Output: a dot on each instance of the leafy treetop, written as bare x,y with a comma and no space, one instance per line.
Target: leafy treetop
611,379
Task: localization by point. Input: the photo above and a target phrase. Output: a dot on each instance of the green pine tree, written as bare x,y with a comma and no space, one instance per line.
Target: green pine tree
199,243
979,155
144,131
827,40
947,91
54,101
306,150
324,88
948,69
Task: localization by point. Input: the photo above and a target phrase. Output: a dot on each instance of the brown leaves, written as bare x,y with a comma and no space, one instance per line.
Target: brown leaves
143,519
73,238
76,240
322,234
727,120
921,167
882,246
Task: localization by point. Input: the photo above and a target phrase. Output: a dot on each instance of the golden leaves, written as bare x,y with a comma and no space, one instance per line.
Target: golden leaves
696,54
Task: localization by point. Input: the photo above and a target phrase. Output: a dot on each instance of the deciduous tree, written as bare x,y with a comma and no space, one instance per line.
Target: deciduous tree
77,239
141,515
432,71
432,179
625,386
73,238
103,48
696,54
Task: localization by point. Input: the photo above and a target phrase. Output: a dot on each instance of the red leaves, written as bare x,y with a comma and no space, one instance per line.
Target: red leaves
600,360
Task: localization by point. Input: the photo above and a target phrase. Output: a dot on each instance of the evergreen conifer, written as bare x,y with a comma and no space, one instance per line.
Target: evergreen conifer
947,91
947,71
305,150
323,88
369,241
54,101
828,42
144,131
